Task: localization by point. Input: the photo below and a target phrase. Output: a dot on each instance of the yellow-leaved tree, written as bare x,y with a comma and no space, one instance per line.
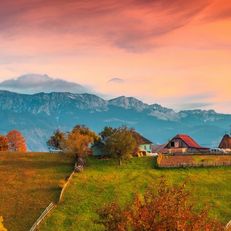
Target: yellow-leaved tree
79,140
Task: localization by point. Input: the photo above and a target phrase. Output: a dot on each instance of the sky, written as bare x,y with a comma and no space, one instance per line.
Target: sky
173,52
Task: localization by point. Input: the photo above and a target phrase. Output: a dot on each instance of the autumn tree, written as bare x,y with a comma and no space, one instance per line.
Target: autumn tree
121,144
16,141
78,141
169,209
3,143
84,130
57,140
2,228
78,144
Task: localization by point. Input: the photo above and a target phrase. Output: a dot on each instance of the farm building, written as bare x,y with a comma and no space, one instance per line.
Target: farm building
225,142
182,143
145,147
98,149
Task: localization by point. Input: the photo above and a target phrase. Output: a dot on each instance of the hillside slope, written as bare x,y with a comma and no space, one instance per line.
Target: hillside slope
103,182
30,181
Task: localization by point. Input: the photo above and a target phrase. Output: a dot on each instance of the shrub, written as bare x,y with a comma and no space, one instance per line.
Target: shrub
169,209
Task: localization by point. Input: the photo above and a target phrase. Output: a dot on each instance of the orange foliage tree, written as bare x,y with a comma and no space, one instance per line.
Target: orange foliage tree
78,144
3,143
16,141
169,209
79,140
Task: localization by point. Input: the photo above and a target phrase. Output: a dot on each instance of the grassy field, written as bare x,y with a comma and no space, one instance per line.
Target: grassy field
29,182
103,182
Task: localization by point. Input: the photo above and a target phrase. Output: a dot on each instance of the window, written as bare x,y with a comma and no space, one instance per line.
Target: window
177,144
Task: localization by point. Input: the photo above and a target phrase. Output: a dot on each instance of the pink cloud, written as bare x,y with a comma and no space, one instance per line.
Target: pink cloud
167,49
134,25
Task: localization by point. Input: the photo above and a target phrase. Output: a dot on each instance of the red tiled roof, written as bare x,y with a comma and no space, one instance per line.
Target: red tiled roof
189,141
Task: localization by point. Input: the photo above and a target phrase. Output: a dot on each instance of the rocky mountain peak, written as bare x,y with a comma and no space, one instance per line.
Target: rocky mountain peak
128,103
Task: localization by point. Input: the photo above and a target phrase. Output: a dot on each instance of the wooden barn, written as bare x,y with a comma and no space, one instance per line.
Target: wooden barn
182,143
225,142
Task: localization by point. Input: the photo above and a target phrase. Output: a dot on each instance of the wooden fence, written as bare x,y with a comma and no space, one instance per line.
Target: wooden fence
65,186
42,216
228,226
202,164
51,205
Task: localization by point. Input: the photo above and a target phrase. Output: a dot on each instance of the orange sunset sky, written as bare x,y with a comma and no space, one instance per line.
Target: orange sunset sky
173,52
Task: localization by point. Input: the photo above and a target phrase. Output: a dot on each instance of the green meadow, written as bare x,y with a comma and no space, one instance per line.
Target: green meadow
103,181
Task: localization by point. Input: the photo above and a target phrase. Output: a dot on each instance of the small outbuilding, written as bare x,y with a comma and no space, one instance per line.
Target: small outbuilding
145,145
98,149
225,142
183,143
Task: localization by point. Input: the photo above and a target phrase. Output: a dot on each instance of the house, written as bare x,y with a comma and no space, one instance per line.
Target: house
183,143
225,142
145,147
98,149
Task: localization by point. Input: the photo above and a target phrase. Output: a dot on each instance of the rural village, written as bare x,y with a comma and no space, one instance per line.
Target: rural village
121,144
115,115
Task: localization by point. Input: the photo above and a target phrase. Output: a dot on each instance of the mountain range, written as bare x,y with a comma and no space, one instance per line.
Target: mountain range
38,115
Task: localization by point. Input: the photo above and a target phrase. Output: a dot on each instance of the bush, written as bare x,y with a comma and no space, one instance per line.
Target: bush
169,209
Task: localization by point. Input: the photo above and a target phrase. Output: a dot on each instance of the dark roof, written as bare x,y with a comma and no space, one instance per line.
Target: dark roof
141,139
144,140
225,142
189,141
98,144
